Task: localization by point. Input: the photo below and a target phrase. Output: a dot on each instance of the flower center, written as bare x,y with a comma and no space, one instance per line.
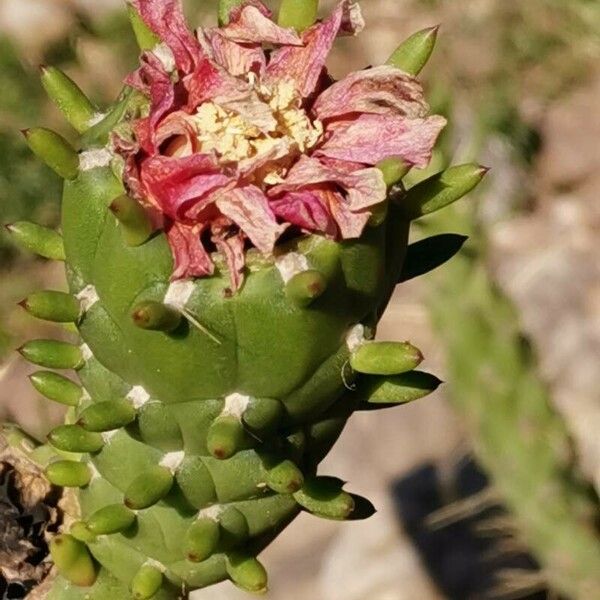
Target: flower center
236,139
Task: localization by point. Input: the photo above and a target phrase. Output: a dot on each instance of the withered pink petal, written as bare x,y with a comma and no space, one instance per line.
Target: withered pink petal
248,166
176,185
190,257
364,187
231,246
237,59
235,12
166,19
306,210
372,138
252,26
249,209
179,135
304,65
381,90
351,224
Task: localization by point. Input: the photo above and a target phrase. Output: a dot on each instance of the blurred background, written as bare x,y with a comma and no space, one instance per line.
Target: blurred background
488,488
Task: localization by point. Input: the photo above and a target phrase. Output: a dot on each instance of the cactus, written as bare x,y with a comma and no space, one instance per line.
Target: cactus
232,230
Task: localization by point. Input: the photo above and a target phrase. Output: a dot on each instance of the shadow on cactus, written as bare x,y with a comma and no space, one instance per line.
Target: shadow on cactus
233,229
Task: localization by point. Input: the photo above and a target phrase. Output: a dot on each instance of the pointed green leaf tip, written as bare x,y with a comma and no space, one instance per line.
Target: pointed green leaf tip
57,387
54,150
43,241
441,190
52,306
385,358
155,316
134,220
146,582
68,97
247,573
298,14
52,354
74,438
146,38
73,560
414,52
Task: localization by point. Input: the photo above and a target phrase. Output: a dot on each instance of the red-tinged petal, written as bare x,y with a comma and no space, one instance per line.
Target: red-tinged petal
252,26
381,90
237,59
249,209
373,138
305,65
235,12
364,187
306,210
177,185
190,257
231,246
176,135
166,19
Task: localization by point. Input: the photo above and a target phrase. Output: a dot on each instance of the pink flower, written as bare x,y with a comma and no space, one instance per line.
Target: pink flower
240,144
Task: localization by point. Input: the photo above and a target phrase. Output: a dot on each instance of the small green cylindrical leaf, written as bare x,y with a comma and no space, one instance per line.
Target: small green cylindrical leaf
73,560
111,519
385,358
42,241
201,539
146,38
53,306
247,573
52,354
68,97
298,14
234,527
73,438
146,582
156,316
225,437
324,497
106,416
393,169
80,532
412,54
397,389
263,414
54,150
441,190
135,222
282,476
57,387
148,488
68,473
305,287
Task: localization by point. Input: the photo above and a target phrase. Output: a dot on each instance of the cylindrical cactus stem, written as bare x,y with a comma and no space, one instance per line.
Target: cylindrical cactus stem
52,354
68,473
305,287
148,488
73,560
107,416
375,392
135,222
54,150
263,414
247,572
281,474
57,388
146,582
385,358
68,97
74,438
53,306
226,436
324,497
43,241
202,538
113,518
156,316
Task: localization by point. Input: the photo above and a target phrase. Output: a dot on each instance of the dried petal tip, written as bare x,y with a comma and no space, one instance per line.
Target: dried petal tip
156,316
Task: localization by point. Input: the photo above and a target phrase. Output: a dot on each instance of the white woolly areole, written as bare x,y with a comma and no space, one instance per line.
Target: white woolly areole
150,562
87,297
211,512
92,159
179,293
356,337
235,405
291,264
172,460
166,56
96,118
138,396
108,435
357,21
85,395
86,352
